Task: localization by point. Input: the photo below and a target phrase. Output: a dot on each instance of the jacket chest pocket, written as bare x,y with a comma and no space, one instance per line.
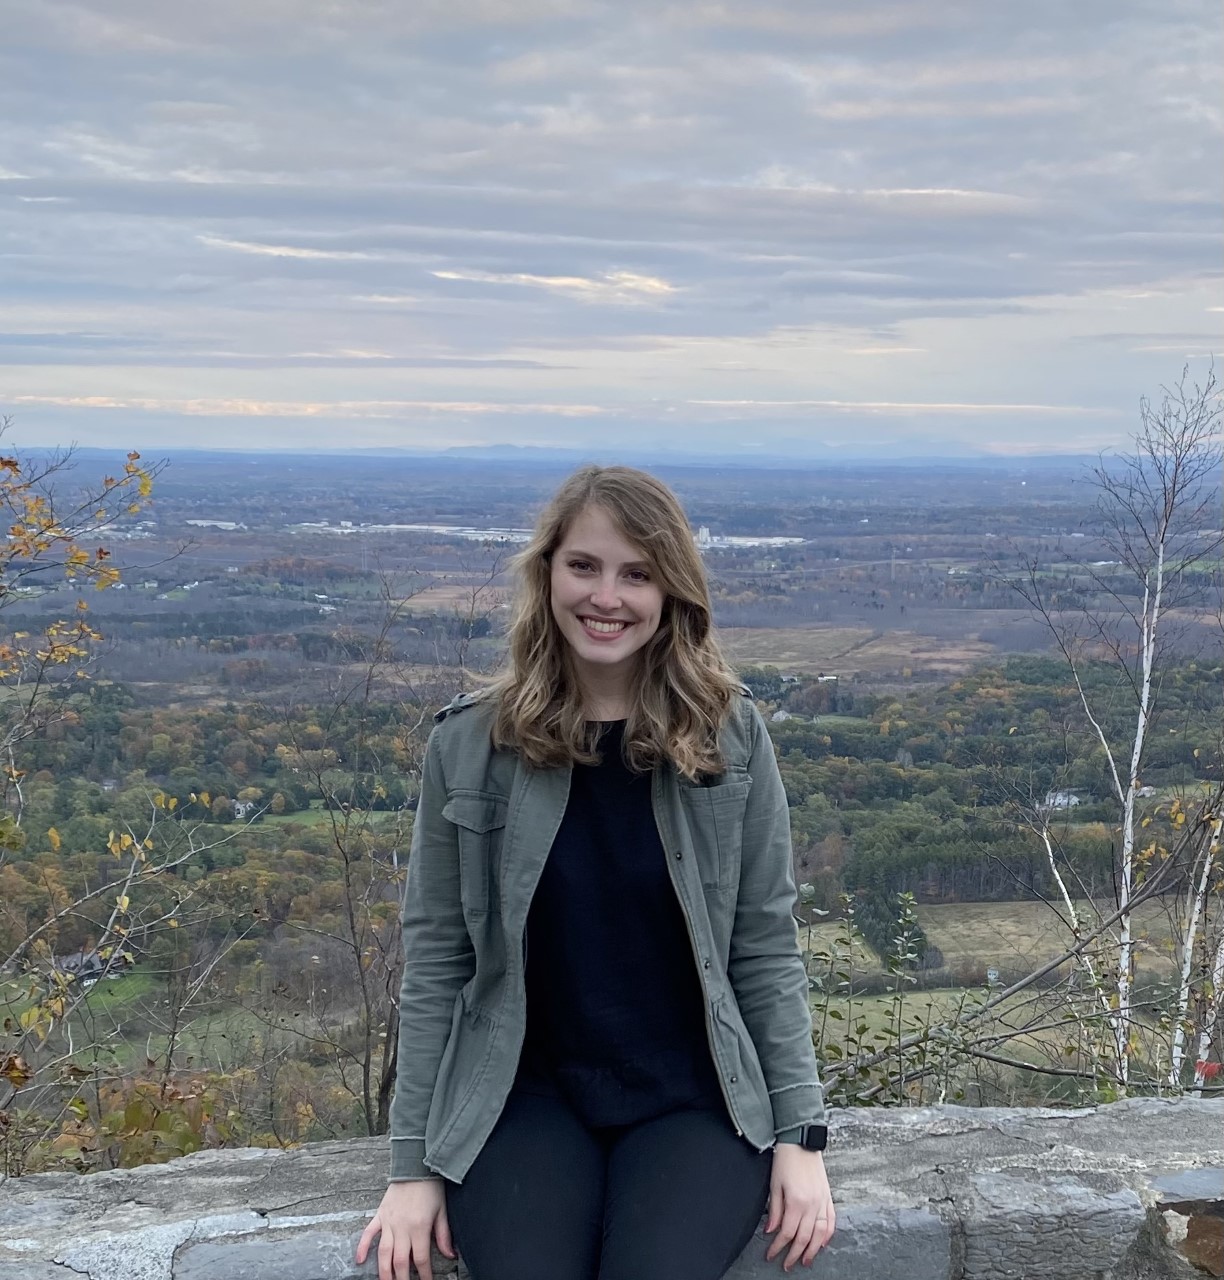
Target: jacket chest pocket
715,817
480,821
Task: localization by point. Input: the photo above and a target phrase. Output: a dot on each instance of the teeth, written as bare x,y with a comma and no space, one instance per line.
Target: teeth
607,627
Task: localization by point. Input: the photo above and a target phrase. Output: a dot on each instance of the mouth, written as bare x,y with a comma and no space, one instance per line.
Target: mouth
603,628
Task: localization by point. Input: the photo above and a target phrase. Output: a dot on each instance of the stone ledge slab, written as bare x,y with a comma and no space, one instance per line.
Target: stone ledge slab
1129,1191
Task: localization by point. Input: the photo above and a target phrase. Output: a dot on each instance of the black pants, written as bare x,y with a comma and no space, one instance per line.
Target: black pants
677,1196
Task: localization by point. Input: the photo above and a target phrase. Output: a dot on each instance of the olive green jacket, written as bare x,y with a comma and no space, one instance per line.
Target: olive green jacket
483,830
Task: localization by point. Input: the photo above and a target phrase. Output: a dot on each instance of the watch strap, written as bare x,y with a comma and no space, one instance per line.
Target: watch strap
811,1137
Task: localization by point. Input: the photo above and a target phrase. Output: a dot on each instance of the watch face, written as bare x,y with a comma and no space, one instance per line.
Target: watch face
815,1137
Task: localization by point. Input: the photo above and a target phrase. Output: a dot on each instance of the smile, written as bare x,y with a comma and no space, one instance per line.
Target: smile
603,628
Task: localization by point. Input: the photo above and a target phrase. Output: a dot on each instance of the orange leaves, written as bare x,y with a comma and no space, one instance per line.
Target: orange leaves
121,844
138,1120
134,472
44,535
14,1068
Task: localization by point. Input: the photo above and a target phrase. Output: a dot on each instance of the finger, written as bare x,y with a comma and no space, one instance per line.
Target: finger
386,1258
802,1238
443,1233
367,1238
786,1233
422,1256
821,1235
775,1210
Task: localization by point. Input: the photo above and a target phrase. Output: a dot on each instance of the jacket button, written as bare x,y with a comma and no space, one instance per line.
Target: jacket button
679,855
735,1079
705,964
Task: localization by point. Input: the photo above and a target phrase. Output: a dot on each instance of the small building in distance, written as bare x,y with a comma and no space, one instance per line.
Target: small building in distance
87,967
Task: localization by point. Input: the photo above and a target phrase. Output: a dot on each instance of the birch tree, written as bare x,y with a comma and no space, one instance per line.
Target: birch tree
1158,518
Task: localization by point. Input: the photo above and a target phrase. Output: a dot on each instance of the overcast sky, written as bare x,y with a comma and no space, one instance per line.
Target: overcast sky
928,225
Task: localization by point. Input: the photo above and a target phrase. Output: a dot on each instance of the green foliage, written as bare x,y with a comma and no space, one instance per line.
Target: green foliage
121,1123
925,791
909,802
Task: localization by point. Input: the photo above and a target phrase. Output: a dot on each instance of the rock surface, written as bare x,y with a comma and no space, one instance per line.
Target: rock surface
1129,1191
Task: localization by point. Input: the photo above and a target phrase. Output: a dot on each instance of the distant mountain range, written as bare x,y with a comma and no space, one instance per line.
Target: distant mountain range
938,454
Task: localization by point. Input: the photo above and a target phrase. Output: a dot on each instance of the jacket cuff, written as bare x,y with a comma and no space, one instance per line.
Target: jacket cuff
796,1105
408,1160
790,1135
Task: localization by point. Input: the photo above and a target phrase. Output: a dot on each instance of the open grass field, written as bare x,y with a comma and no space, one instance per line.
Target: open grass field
1013,935
873,1023
820,940
879,1011
846,650
449,596
315,816
108,997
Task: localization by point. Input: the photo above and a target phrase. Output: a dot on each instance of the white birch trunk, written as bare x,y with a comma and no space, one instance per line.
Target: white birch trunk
1083,959
1217,990
1198,898
1148,623
1113,1017
1209,1022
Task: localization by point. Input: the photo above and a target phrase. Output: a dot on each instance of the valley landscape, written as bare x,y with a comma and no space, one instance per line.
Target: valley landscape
283,629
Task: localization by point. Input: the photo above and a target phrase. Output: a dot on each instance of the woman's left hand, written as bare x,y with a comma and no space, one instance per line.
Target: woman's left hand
800,1205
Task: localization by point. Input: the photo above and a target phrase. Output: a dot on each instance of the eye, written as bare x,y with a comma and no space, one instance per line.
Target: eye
638,575
580,566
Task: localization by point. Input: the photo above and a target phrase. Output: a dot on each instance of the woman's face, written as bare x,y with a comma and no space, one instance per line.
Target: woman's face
605,596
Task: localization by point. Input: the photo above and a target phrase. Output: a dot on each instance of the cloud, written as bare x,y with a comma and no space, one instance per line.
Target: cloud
892,407
218,408
902,207
612,286
288,250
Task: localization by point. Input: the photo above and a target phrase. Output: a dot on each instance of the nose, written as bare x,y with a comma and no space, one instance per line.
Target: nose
605,595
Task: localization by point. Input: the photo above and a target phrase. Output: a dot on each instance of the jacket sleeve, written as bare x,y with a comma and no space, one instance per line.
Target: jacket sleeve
765,965
438,960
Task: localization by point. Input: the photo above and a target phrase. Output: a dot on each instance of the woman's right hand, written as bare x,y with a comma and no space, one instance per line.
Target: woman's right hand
410,1215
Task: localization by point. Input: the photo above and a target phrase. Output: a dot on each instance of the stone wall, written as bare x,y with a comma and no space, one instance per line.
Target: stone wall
1130,1191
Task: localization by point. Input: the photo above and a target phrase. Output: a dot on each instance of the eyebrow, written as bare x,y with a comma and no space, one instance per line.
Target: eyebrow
586,555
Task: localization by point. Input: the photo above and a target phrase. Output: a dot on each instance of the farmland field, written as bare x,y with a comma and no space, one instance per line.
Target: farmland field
1023,935
1014,937
846,650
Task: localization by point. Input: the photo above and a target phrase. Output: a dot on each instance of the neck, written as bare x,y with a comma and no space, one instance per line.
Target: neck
606,711
605,694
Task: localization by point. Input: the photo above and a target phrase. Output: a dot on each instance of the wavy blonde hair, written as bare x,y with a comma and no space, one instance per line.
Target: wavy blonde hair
683,688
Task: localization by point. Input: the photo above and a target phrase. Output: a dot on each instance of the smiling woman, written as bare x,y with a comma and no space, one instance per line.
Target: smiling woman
607,605
613,622
605,1063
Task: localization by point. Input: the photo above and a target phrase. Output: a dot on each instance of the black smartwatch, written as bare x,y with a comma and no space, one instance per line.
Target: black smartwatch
814,1137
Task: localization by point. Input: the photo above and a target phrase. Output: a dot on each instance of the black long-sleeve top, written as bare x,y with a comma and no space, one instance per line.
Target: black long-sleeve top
615,1013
